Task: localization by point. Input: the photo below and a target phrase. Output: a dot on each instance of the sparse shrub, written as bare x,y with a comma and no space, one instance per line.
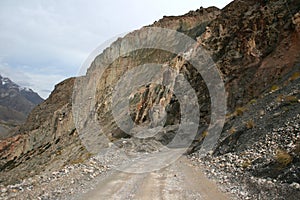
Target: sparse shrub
250,124
58,153
77,161
283,158
239,111
246,164
228,115
274,88
291,99
81,159
295,76
204,133
280,98
232,130
253,101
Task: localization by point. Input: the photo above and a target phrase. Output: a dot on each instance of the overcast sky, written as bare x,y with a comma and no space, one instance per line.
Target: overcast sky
42,42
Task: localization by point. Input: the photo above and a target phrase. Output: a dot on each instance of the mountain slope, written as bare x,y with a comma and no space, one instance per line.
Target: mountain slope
258,156
48,139
255,46
15,104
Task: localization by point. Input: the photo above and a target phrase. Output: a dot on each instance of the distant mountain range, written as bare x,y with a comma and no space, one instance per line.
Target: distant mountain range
16,102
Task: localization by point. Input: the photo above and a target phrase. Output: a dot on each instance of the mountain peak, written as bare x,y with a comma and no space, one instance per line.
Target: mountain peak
16,102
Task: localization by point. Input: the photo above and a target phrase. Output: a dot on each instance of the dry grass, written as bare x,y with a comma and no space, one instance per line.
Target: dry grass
228,115
246,164
295,76
280,98
283,158
232,130
291,99
253,101
58,152
81,159
204,134
239,111
287,99
250,124
274,88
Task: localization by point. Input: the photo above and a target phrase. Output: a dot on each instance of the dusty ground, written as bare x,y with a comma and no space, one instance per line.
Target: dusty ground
180,180
102,178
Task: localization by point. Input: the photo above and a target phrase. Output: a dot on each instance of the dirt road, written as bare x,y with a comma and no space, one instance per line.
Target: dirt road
179,180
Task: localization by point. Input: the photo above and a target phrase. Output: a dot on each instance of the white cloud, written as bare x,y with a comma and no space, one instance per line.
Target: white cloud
42,83
49,40
38,82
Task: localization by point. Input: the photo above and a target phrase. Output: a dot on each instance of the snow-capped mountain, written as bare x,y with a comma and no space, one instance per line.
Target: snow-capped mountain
15,103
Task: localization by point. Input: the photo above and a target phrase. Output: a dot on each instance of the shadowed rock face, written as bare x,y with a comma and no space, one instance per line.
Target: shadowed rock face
254,45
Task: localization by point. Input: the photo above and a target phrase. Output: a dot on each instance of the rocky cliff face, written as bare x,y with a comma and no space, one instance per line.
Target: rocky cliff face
48,140
254,45
15,104
192,23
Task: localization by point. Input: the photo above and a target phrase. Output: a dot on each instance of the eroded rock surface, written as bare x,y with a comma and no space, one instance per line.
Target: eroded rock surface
254,45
